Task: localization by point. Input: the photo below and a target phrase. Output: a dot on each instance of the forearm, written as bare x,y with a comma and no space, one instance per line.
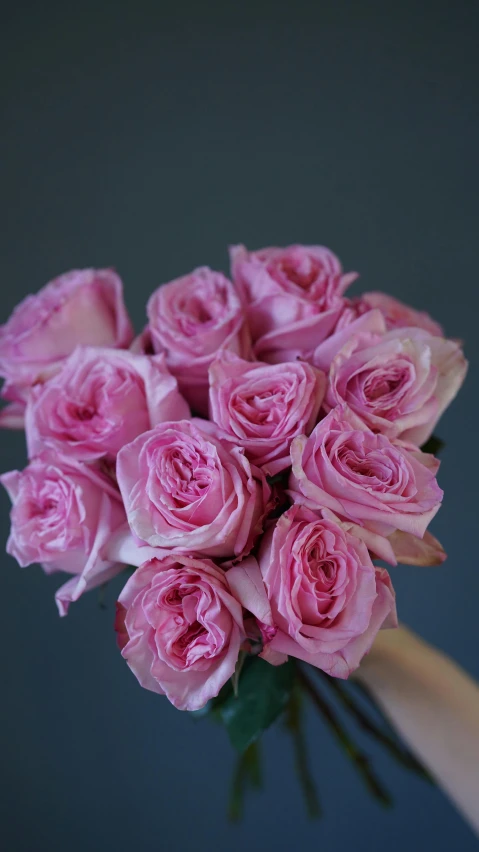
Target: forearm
435,706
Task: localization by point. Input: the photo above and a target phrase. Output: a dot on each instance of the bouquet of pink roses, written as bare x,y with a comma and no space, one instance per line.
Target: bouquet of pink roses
247,460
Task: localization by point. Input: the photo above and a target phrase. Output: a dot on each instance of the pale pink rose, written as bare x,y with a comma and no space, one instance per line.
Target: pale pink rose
320,593
186,488
99,401
396,313
190,319
63,516
398,383
180,628
80,307
293,297
380,485
262,407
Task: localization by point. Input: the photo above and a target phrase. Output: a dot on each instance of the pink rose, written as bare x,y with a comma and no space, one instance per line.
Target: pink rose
396,313
327,600
323,354
190,319
292,297
63,516
379,485
99,401
186,488
399,383
80,307
180,629
262,407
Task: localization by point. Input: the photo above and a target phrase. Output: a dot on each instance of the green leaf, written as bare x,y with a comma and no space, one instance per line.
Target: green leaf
433,445
263,694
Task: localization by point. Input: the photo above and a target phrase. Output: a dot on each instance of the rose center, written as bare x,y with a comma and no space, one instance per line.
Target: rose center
322,571
187,473
384,388
373,466
303,273
85,413
191,634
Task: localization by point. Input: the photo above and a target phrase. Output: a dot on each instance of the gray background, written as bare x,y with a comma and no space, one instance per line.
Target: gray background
149,136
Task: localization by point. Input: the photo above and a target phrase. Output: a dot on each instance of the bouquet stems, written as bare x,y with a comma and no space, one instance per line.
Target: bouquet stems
390,743
247,774
355,754
294,724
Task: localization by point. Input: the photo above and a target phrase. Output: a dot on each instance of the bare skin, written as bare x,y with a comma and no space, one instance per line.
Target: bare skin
434,705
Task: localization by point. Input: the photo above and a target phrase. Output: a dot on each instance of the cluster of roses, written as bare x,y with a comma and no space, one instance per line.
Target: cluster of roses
254,529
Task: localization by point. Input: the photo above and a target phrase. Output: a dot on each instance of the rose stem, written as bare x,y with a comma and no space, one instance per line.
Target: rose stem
359,759
401,754
294,723
247,764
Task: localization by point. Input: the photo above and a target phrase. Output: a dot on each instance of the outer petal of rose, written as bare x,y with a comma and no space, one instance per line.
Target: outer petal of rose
246,584
384,616
124,547
291,342
410,550
10,482
97,569
194,691
284,644
373,322
413,523
379,545
426,459
402,315
161,388
138,655
452,368
342,663
12,416
74,588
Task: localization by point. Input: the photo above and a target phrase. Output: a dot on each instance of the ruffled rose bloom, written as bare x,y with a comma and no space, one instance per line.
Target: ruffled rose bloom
327,600
180,628
63,517
186,488
395,313
293,297
190,319
80,307
399,383
100,401
362,477
262,407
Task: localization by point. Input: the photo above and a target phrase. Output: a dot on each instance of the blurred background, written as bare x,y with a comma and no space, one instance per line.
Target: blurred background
148,136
